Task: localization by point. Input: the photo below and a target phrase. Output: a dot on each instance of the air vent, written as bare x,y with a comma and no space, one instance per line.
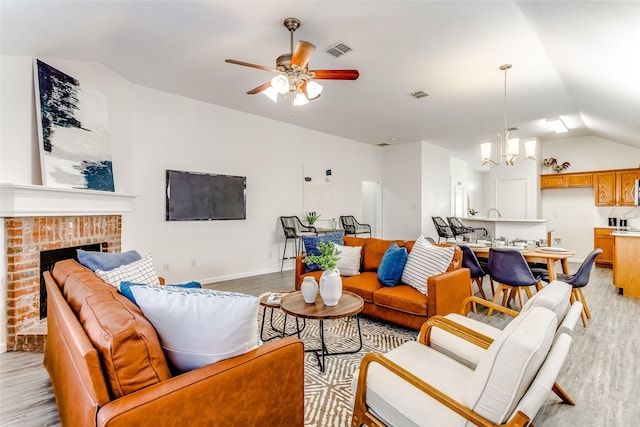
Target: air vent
338,49
419,94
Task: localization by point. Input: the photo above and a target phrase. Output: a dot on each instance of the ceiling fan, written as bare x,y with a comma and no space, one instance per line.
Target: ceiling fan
294,75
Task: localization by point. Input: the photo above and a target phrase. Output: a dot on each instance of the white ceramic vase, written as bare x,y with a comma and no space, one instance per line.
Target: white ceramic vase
309,289
331,287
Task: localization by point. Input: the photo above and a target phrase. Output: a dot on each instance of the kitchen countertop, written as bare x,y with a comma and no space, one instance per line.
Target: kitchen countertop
483,218
626,233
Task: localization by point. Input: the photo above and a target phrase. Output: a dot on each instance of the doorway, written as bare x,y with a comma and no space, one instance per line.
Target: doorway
372,206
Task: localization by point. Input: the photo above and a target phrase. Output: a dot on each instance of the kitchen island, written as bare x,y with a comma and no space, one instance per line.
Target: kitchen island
626,253
522,229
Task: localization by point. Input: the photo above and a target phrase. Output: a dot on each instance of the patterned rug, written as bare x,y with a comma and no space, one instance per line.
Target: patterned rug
327,394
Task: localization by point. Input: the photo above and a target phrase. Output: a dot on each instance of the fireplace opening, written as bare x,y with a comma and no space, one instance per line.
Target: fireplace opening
49,258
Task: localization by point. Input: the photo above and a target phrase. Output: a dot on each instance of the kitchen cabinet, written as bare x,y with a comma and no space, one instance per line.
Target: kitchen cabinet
566,180
627,180
614,188
603,239
611,187
626,255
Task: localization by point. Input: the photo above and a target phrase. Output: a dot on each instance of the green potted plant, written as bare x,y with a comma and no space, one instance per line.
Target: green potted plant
311,217
330,280
328,258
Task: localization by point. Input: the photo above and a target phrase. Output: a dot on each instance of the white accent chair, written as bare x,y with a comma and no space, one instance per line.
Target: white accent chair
416,385
555,296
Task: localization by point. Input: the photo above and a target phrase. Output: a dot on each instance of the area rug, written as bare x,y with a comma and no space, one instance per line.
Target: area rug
327,394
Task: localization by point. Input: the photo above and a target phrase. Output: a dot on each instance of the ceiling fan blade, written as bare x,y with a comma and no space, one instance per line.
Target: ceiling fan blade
302,54
336,74
259,89
247,64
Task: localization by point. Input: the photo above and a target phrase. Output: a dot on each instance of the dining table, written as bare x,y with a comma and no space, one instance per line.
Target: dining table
547,255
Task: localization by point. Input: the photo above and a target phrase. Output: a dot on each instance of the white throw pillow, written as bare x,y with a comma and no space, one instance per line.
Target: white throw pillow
424,261
349,262
198,327
142,271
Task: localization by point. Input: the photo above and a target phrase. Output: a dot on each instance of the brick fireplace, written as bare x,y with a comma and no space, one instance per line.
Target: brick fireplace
37,219
26,238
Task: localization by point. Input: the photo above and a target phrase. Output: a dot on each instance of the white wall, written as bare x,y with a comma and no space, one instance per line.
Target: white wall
572,211
151,131
401,193
436,186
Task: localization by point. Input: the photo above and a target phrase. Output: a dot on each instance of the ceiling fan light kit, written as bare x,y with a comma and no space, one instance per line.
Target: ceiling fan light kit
509,146
294,76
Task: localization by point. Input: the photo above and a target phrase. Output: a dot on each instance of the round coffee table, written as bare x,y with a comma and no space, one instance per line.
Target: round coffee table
349,305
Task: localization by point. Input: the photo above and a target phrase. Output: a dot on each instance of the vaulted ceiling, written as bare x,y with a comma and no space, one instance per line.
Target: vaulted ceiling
578,60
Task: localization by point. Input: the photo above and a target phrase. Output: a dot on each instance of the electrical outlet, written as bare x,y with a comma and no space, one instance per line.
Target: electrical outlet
165,266
193,263
557,241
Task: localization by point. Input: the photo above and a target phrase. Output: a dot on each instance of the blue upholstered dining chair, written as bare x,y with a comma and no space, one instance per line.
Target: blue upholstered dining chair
578,281
470,261
509,268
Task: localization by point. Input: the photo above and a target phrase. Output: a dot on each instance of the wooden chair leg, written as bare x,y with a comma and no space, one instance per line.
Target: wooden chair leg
585,314
493,291
519,292
474,308
478,281
584,302
562,394
496,295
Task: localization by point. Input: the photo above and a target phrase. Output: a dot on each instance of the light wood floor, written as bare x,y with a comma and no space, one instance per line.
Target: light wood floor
602,372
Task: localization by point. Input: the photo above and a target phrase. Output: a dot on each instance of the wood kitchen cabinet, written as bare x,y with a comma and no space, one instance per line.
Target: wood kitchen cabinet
614,188
603,239
566,180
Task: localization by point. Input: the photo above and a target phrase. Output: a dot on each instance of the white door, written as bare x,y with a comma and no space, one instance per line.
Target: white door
511,198
372,206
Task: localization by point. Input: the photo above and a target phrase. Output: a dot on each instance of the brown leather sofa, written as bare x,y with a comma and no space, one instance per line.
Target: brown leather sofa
400,304
107,367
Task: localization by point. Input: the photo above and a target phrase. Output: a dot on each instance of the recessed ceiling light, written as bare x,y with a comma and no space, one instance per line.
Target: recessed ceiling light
557,125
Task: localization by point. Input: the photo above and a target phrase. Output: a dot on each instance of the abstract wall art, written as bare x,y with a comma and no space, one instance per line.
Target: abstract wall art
73,131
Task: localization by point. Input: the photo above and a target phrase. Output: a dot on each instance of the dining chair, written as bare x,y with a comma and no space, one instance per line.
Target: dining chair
509,268
353,227
442,228
579,280
470,261
294,229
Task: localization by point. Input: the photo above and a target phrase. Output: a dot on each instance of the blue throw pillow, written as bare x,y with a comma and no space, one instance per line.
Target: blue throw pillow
125,288
106,261
392,265
311,245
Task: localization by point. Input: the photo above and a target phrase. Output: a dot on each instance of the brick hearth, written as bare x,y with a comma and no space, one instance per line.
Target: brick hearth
26,238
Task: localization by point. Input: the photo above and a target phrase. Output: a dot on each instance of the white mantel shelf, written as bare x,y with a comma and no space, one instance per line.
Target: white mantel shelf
37,200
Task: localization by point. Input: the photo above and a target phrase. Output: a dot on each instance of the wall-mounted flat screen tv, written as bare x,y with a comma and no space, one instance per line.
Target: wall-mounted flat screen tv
194,196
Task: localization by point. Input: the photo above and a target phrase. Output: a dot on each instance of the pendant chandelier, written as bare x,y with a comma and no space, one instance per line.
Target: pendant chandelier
509,146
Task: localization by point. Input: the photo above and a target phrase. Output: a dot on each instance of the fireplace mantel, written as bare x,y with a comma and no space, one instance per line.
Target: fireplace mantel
37,200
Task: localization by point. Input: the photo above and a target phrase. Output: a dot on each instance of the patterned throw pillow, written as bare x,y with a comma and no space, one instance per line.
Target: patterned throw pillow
142,271
424,261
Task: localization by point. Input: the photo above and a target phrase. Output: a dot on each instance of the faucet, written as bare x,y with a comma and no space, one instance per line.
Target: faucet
496,210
